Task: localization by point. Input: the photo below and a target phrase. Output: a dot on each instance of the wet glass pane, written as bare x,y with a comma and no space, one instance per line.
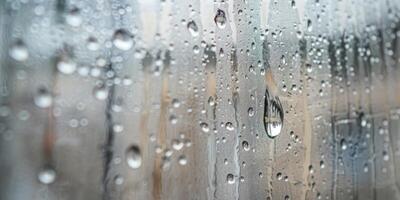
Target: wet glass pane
199,99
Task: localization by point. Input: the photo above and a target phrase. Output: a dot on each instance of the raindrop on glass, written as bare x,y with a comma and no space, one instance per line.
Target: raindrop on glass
73,18
92,44
230,179
47,175
204,127
100,92
43,98
133,157
182,160
123,39
19,51
193,29
66,65
220,19
273,115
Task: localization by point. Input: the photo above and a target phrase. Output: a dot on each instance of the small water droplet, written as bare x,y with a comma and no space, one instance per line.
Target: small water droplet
343,144
273,115
123,39
100,92
230,179
193,29
66,65
47,175
118,180
220,19
43,98
19,51
229,126
176,103
92,44
250,111
182,160
245,146
133,157
204,127
73,18
177,144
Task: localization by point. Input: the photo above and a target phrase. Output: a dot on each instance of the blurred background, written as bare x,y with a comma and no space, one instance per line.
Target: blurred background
199,99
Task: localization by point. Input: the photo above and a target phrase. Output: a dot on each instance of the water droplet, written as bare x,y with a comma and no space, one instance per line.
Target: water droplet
273,115
73,18
220,19
182,160
343,144
176,103
66,65
18,51
123,39
204,127
230,179
309,25
92,44
43,98
245,146
193,29
133,157
177,144
118,180
250,111
173,119
279,176
47,175
100,92
229,126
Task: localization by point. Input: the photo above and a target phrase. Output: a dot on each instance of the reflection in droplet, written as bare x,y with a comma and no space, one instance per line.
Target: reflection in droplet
133,157
123,39
273,115
18,51
47,175
220,19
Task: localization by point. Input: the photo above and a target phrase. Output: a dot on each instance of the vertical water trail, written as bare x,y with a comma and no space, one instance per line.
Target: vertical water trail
109,143
333,64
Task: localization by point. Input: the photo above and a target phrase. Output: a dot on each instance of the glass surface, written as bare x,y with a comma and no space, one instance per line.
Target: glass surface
199,99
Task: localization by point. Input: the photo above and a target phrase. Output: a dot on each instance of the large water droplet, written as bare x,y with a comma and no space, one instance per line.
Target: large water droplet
273,115
18,51
193,29
123,39
133,157
220,19
47,175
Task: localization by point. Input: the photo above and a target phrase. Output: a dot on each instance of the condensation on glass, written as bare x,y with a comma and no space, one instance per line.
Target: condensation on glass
217,99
